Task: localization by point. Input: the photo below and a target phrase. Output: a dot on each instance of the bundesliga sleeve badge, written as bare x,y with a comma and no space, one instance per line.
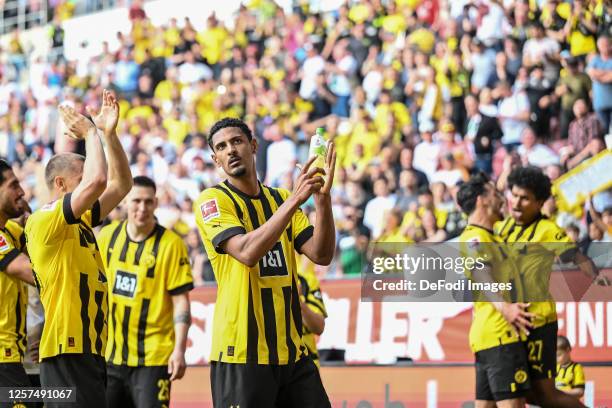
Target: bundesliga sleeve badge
4,244
210,210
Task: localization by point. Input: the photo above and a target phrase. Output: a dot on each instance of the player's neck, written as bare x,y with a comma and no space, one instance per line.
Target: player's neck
480,219
247,184
138,234
3,220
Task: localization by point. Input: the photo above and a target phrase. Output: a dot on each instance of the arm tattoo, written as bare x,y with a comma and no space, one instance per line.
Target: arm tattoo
184,317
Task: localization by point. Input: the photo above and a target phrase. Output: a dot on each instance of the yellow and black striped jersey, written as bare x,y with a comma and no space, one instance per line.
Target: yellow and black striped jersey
13,296
569,376
142,278
70,276
489,328
534,248
257,313
312,296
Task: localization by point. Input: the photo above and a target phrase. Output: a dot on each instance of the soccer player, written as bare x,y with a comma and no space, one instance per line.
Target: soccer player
498,326
149,279
14,271
67,266
250,232
537,241
570,375
313,311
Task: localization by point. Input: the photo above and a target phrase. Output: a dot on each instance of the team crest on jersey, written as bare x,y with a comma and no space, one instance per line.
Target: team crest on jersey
4,244
210,210
148,260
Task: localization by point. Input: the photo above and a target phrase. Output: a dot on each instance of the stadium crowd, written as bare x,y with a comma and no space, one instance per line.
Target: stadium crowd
416,94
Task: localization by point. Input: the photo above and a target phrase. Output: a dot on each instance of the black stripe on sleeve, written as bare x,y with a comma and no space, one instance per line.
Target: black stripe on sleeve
316,305
290,346
126,334
181,289
111,333
67,210
84,294
99,320
267,305
155,250
302,237
224,236
95,214
142,328
111,244
252,331
22,242
18,318
8,258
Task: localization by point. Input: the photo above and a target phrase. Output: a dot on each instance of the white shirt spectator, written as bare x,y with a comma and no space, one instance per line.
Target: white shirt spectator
426,157
340,84
190,73
375,211
538,155
372,84
508,108
311,68
489,31
536,49
448,177
281,159
193,152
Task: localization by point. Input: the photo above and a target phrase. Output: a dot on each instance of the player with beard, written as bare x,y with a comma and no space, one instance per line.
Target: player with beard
251,232
536,242
14,271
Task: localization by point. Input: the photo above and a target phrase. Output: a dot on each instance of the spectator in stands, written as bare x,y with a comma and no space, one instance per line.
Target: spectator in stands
600,71
513,113
426,152
534,153
573,86
585,135
377,208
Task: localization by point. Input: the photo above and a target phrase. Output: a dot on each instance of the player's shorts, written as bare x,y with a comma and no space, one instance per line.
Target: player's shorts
541,347
502,373
13,375
141,387
295,385
85,372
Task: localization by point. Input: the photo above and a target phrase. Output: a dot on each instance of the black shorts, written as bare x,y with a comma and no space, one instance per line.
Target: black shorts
502,373
140,387
541,347
14,375
85,372
295,385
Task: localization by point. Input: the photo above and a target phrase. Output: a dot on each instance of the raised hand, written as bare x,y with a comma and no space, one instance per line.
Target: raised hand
106,120
330,169
308,182
77,125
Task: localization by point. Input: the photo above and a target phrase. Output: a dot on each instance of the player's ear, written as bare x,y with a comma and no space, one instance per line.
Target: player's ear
59,183
254,145
215,159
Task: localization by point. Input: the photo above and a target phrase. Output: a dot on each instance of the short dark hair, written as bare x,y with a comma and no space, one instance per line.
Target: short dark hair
4,166
226,123
144,181
563,343
470,191
531,178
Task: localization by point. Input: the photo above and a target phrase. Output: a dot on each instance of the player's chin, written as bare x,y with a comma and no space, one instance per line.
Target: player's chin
237,171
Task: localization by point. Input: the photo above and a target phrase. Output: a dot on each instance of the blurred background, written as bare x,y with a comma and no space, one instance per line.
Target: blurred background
416,95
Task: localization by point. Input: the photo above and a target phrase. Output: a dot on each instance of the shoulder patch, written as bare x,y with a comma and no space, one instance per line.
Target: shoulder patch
48,206
473,243
4,244
210,210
